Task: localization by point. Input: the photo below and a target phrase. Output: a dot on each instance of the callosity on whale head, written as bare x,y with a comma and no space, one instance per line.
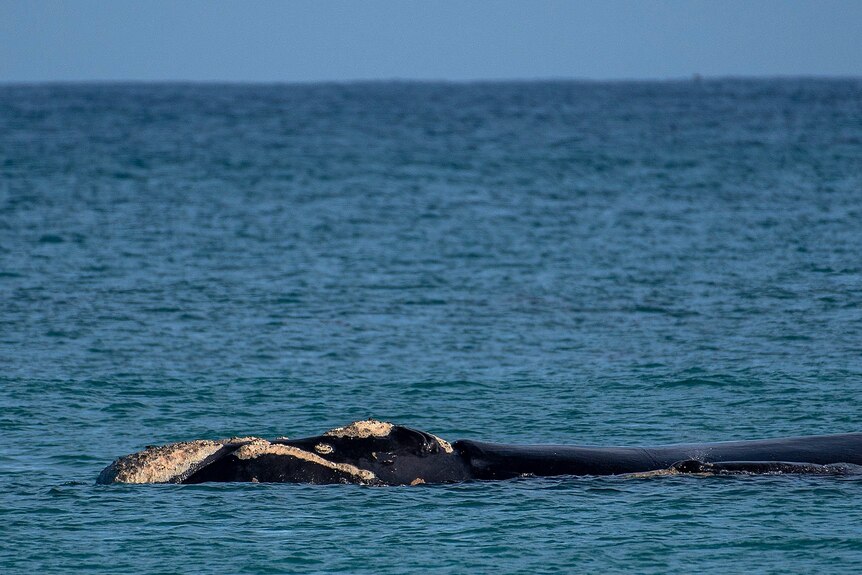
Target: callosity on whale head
365,452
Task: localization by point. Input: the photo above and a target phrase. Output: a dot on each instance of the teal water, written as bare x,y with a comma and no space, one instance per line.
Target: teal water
626,263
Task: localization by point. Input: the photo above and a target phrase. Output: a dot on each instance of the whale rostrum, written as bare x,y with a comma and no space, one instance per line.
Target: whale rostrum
374,452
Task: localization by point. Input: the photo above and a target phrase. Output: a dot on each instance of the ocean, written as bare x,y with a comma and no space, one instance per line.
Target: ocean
624,263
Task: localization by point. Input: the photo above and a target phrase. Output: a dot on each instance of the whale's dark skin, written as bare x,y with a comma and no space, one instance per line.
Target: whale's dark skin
496,461
396,459
377,453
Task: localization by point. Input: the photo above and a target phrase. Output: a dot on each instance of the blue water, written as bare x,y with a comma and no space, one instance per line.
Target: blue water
625,263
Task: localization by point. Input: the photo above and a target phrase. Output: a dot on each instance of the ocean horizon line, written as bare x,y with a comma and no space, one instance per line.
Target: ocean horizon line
440,81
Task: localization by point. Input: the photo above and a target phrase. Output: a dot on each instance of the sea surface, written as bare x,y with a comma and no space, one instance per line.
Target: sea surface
546,262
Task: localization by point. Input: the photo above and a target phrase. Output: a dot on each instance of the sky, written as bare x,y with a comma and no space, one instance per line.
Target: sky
328,40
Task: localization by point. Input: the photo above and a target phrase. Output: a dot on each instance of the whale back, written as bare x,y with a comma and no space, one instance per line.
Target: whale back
502,461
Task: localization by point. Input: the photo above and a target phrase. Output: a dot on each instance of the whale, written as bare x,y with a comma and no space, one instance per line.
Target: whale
379,453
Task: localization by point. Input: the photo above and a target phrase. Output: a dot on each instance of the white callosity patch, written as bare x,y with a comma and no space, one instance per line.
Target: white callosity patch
362,429
262,447
374,428
164,463
444,445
